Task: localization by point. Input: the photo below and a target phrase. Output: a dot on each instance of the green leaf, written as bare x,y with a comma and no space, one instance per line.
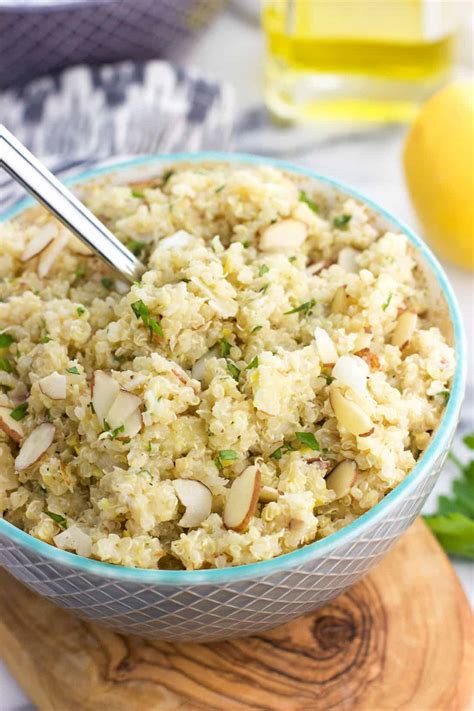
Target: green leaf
233,370
57,518
19,412
107,283
255,329
220,189
228,455
135,246
302,308
155,327
263,270
73,370
138,194
5,340
341,220
253,363
455,532
218,464
118,430
310,203
80,310
386,304
308,439
166,176
224,347
445,394
80,271
46,339
469,440
464,496
5,365
277,454
141,312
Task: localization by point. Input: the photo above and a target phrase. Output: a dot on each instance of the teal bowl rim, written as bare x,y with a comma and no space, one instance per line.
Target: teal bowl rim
319,548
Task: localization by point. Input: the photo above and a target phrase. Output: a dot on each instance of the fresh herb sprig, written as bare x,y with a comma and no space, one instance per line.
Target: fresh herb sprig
142,312
453,523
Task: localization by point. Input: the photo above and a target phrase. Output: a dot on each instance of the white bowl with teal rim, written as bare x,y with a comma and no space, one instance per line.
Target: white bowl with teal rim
214,604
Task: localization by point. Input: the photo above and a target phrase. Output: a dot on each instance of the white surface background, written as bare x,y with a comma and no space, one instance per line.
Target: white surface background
369,160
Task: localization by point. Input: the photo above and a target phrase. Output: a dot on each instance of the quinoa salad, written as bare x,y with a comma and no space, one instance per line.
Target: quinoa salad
272,376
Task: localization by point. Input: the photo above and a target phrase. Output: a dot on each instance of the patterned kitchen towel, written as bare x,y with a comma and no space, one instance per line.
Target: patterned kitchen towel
89,114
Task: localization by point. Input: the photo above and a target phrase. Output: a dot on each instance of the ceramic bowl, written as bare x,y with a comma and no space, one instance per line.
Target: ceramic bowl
217,604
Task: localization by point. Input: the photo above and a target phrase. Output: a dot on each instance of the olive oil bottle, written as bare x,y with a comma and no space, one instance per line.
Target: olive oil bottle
359,60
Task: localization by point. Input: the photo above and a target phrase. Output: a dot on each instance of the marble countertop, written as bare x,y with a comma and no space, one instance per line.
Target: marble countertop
367,158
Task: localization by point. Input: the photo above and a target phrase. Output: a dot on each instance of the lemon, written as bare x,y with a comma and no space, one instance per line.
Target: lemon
439,168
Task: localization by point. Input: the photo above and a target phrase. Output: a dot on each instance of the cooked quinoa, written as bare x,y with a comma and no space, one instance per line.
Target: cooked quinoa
277,333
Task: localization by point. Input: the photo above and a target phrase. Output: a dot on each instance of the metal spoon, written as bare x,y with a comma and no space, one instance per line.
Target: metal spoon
41,183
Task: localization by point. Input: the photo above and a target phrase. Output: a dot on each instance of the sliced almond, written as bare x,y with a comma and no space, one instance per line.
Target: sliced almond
242,499
51,253
268,493
40,240
370,358
326,349
35,445
10,426
349,414
123,407
199,367
197,499
74,539
347,259
104,391
178,240
342,478
340,301
405,328
132,425
54,386
352,371
284,236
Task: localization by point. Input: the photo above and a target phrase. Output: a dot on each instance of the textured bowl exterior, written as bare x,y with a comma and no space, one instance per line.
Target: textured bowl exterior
234,602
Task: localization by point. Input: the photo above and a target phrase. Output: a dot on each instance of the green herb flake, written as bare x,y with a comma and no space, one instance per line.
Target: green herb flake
5,365
218,464
138,194
310,203
118,430
445,394
57,518
80,271
263,270
73,370
19,412
386,304
264,288
308,439
233,370
228,455
292,259
46,339
255,329
220,189
278,453
80,310
246,243
224,348
5,340
107,283
253,363
166,176
341,221
135,246
141,312
302,308
469,440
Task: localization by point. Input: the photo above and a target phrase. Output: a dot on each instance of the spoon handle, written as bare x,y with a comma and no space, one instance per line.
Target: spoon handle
41,183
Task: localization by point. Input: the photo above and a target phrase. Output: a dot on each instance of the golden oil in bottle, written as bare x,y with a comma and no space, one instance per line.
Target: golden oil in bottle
355,59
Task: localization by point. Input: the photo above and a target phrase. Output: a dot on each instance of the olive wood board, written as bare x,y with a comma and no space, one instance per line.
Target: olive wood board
402,639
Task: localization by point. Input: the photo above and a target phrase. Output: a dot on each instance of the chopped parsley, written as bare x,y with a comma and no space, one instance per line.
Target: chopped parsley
135,246
138,194
302,308
328,378
80,271
264,288
5,365
107,283
292,259
224,347
246,243
278,453
453,523
220,188
233,370
46,338
341,220
19,412
253,363
57,518
308,439
310,203
118,430
80,310
445,394
263,270
228,455
141,311
255,329
5,340
73,370
166,176
386,304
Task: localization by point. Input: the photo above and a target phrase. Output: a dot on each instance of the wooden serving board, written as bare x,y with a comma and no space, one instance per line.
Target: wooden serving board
400,639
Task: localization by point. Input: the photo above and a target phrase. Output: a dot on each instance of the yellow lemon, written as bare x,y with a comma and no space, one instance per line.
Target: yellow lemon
439,169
